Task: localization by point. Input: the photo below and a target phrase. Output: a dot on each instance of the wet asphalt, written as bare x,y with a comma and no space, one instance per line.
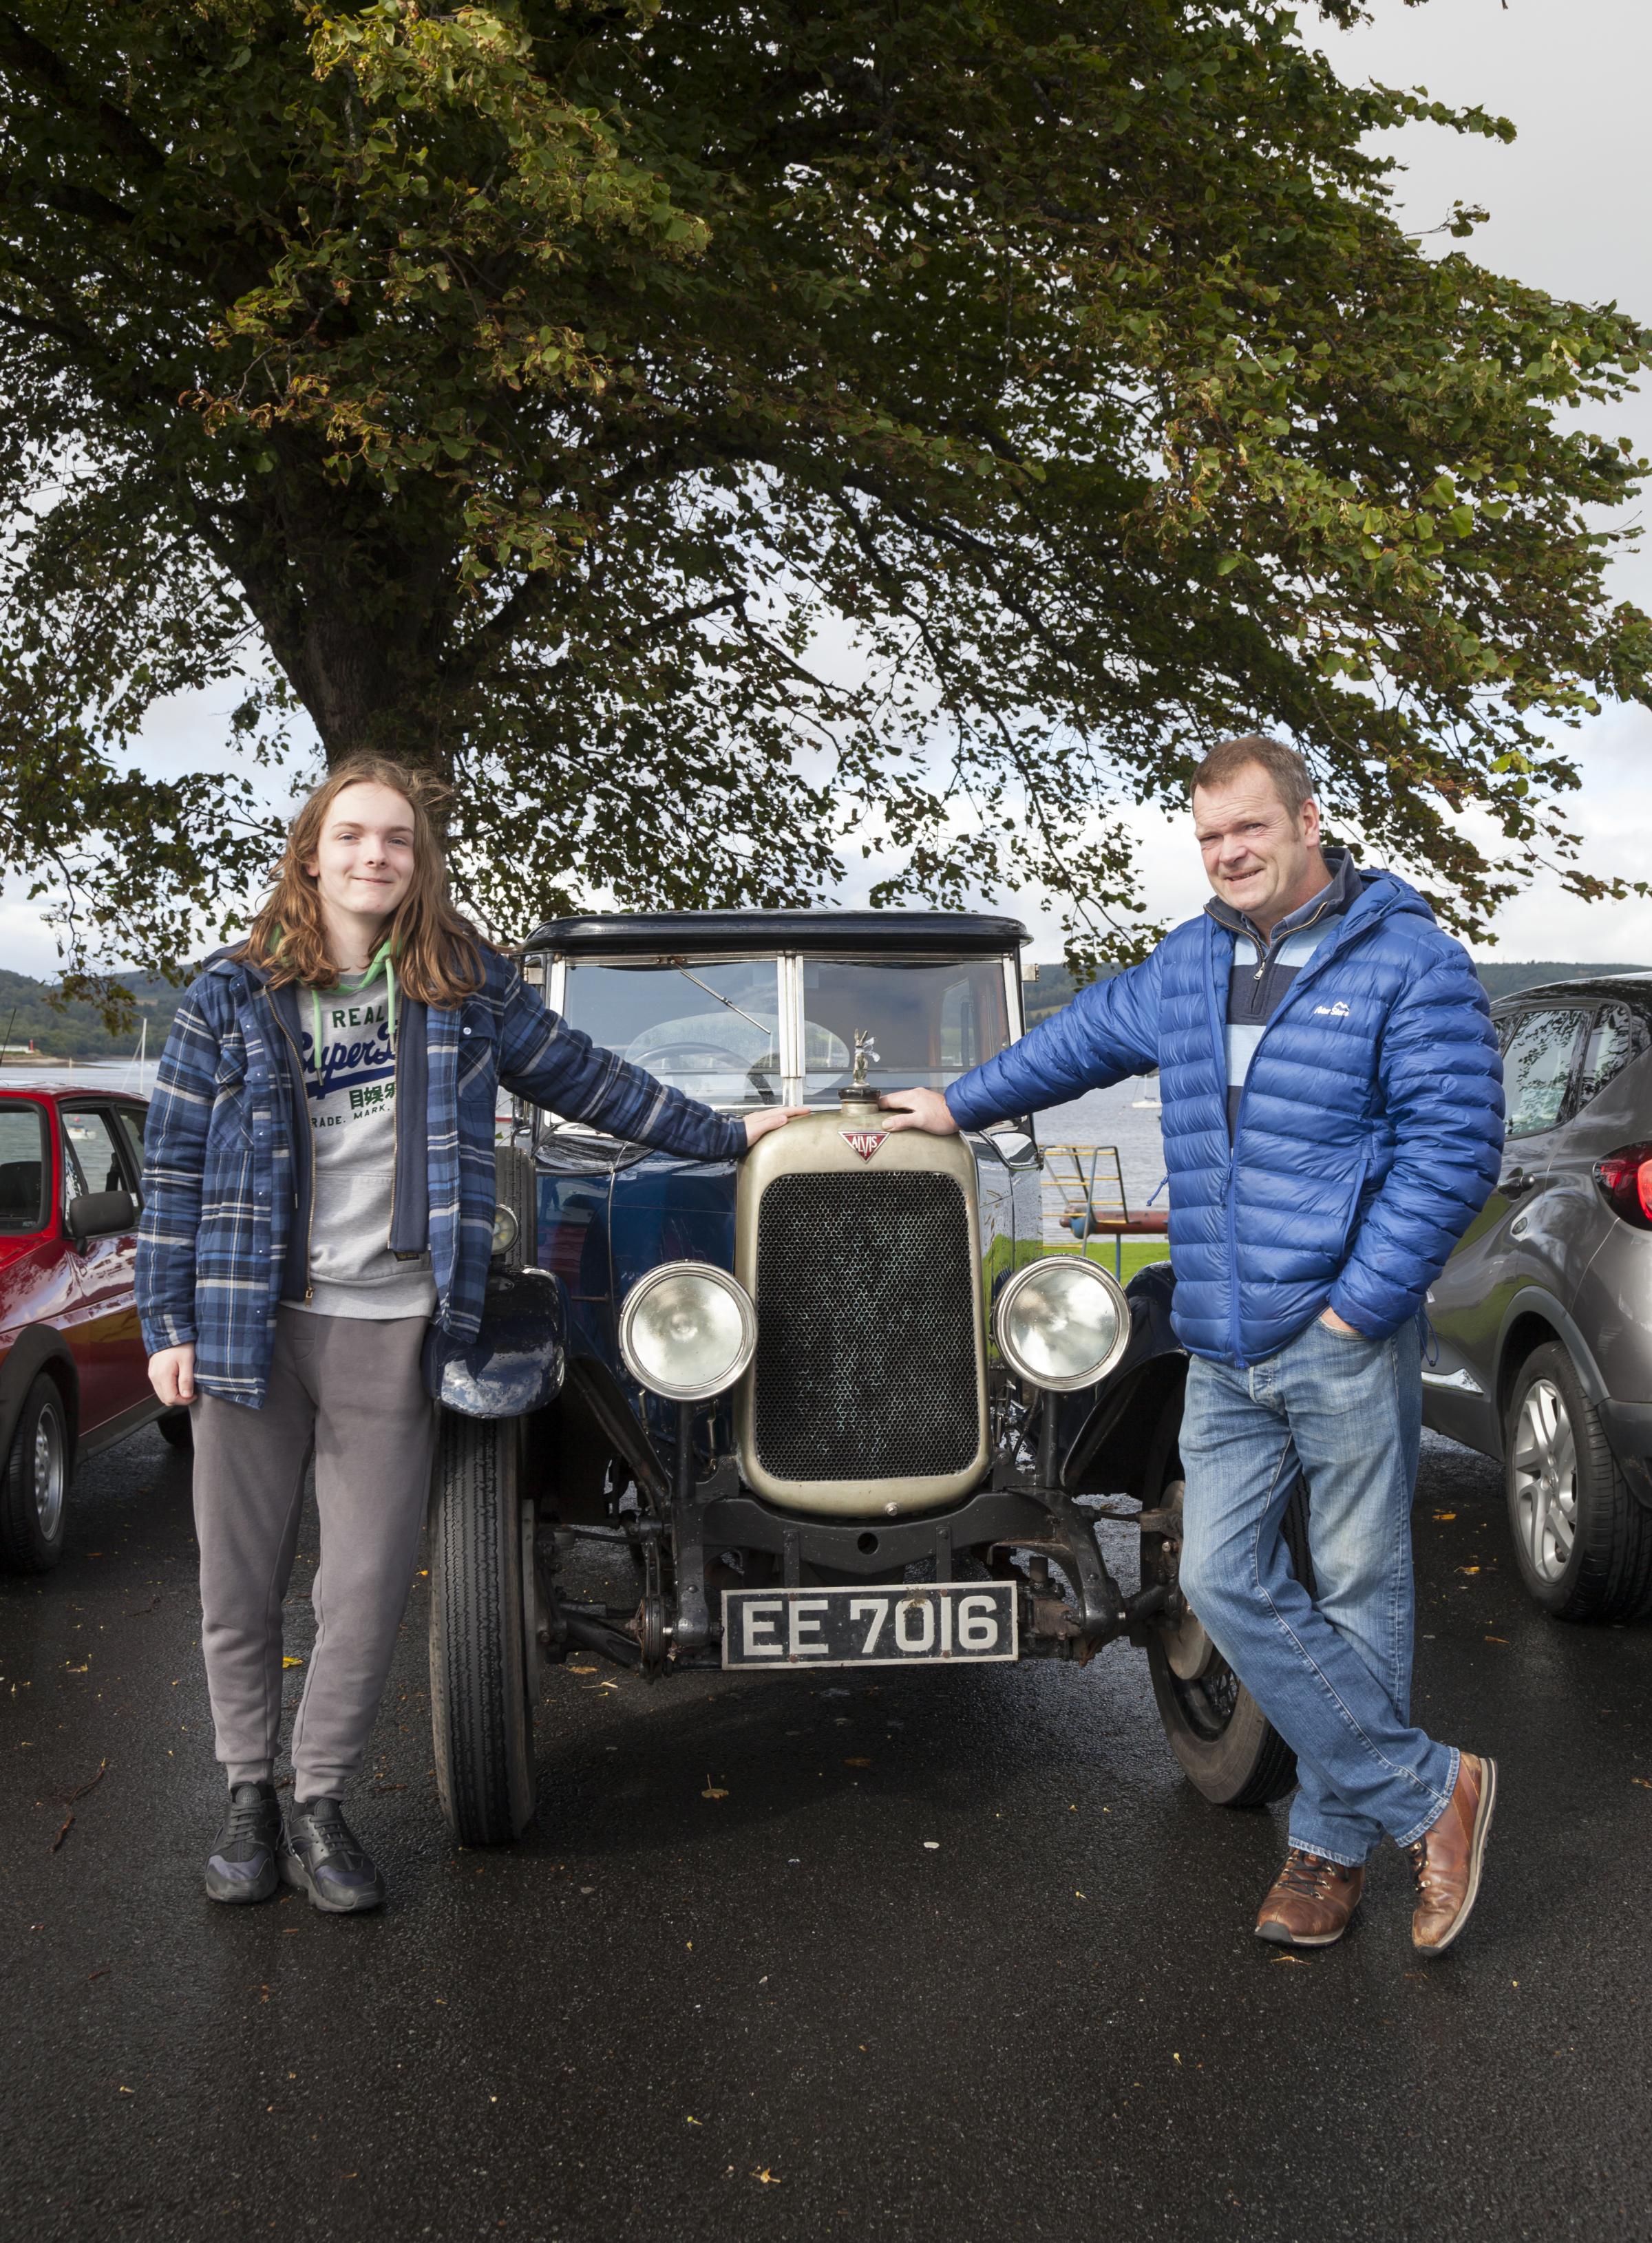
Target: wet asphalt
952,1955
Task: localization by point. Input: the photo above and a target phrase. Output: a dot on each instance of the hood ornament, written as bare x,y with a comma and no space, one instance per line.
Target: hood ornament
858,1091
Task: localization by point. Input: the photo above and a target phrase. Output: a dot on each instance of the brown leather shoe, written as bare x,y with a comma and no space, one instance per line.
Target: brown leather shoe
1446,1861
1310,1901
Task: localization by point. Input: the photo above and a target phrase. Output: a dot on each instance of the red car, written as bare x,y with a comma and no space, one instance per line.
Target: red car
73,1374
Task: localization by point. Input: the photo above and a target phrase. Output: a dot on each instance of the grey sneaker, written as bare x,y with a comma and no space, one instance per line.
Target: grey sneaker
320,1855
241,1866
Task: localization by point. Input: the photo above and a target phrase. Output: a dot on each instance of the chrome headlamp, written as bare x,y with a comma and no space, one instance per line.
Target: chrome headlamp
1061,1323
687,1330
506,1230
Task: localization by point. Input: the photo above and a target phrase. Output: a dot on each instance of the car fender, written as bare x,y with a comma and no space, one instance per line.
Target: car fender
1628,1425
37,1347
1535,1301
1108,1447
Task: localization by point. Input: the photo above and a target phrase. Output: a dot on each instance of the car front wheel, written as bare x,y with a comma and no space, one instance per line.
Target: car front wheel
1582,1541
34,1496
1228,1748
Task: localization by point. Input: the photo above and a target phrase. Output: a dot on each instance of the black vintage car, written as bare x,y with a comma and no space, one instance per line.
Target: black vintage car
835,1405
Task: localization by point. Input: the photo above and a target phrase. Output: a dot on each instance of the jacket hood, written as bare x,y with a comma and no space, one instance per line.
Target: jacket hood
1365,898
229,960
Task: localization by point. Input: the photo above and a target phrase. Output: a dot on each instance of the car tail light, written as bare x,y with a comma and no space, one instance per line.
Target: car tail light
1625,1180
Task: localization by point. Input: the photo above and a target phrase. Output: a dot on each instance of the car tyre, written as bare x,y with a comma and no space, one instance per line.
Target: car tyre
481,1708
34,1495
1582,1541
1228,1749
483,1652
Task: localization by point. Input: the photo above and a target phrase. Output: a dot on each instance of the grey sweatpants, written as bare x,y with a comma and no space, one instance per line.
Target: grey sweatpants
347,1389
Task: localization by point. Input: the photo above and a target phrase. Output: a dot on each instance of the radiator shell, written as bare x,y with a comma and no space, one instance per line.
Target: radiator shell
846,1318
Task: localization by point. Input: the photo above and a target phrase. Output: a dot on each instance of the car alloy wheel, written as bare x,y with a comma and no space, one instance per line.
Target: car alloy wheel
1545,1479
50,1475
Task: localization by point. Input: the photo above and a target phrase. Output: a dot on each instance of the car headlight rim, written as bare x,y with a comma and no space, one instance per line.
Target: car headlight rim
690,1289
1074,1276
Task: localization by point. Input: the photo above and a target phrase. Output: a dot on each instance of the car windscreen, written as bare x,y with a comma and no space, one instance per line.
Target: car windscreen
24,1167
711,1029
925,1024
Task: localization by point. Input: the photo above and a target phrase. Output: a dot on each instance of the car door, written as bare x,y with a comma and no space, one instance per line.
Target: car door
1517,1237
106,1342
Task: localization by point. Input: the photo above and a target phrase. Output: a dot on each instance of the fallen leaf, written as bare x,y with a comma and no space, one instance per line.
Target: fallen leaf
690,2122
1290,1958
932,1845
77,1670
1077,1895
581,1670
1468,1569
290,1661
1443,1515
858,1761
1497,1638
712,1790
1645,1784
762,2174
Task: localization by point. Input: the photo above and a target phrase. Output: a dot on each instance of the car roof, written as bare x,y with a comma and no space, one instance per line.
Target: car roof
64,1094
1591,985
664,935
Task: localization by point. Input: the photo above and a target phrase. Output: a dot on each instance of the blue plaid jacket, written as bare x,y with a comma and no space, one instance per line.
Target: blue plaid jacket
227,1152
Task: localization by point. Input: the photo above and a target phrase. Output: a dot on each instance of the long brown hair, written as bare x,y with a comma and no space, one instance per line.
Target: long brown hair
437,954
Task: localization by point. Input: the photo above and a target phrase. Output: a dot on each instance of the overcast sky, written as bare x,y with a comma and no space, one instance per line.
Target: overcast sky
1568,205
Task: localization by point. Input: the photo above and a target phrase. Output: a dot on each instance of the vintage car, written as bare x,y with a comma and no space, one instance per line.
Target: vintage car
835,1405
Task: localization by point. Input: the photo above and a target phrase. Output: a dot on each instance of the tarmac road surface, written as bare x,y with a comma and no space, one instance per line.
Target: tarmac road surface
947,1957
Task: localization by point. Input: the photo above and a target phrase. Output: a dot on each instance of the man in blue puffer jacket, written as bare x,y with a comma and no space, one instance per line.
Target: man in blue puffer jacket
1332,1115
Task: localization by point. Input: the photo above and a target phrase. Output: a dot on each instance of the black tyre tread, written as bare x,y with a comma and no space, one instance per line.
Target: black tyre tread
1613,1580
22,1547
480,1711
516,1186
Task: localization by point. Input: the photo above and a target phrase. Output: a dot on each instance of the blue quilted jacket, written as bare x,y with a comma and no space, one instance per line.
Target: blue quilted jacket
1367,1139
223,1237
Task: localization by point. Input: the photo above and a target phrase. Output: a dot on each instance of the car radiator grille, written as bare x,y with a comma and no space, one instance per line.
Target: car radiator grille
865,1354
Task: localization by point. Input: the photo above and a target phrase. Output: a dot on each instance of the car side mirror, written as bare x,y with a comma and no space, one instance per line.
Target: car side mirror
100,1214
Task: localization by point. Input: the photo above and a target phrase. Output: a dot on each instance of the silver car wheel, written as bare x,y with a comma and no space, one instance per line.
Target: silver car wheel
1545,1479
49,1474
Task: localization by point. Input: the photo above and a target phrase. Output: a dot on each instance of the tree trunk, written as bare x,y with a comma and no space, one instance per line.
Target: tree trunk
356,596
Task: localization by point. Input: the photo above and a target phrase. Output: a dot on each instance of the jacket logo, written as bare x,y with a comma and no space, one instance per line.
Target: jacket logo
866,1142
1337,1012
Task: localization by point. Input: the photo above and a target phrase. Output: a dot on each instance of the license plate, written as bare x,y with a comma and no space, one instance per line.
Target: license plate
958,1622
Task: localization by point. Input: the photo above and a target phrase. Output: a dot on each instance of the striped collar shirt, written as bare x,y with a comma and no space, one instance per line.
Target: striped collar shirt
1266,966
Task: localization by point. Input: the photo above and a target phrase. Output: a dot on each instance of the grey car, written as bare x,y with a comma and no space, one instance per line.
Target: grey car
1542,1317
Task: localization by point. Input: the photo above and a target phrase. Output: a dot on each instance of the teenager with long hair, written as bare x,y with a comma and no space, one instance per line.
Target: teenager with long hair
319,1186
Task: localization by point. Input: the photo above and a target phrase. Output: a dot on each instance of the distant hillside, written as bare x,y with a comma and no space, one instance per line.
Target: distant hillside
1053,987
76,1032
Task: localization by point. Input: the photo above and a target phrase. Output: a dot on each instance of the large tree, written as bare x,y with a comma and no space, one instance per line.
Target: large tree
718,435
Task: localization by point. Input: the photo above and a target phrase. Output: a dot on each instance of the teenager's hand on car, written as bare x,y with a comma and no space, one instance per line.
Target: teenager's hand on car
919,1109
172,1373
759,1124
1338,1324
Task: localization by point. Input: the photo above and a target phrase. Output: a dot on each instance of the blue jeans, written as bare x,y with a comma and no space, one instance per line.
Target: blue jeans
1330,1671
